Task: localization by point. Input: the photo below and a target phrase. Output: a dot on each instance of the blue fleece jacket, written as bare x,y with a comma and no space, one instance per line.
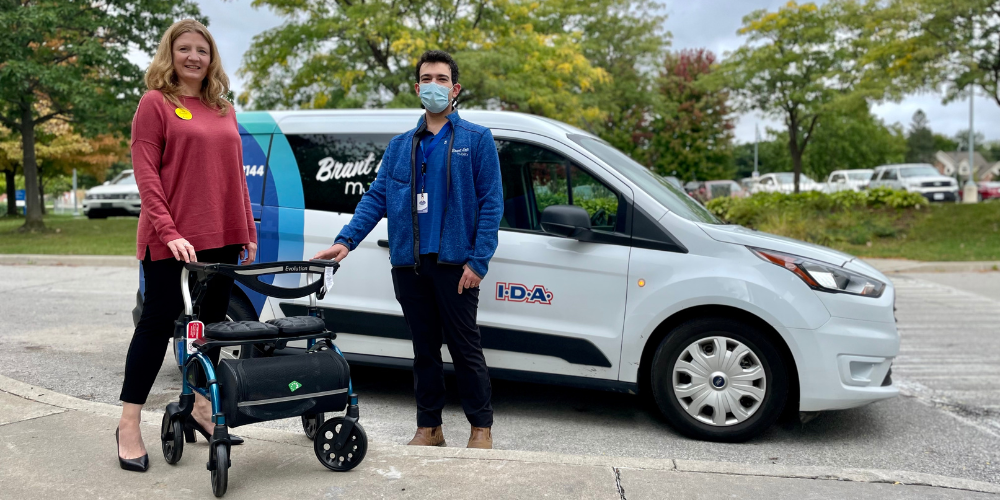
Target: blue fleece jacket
473,209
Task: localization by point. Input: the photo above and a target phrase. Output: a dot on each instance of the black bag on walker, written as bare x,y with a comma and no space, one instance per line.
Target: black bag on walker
260,389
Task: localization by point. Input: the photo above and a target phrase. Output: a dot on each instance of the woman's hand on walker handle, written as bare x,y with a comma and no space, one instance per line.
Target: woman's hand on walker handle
182,250
251,254
337,252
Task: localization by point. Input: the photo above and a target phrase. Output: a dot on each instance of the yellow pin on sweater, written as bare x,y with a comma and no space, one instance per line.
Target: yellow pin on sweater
183,114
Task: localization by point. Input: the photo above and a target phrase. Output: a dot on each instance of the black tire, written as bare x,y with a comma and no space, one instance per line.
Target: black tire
173,443
686,335
312,423
220,476
350,456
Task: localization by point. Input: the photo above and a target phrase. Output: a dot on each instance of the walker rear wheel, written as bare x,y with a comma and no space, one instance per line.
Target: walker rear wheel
311,423
172,439
350,455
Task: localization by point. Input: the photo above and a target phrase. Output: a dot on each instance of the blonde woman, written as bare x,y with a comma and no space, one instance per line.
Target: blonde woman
188,163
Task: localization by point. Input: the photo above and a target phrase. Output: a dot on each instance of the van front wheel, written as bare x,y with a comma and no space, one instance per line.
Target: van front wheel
719,380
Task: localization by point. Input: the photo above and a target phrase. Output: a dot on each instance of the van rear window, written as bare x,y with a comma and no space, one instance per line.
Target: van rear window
337,169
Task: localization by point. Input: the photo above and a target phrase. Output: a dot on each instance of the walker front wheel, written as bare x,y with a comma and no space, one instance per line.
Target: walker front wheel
220,475
172,439
348,456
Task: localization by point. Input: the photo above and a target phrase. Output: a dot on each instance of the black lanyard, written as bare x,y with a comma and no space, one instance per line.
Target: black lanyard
428,151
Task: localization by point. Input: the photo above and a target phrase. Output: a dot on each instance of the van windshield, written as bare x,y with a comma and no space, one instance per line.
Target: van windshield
659,188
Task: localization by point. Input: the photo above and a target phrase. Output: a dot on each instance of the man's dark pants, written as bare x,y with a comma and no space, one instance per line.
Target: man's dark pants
435,312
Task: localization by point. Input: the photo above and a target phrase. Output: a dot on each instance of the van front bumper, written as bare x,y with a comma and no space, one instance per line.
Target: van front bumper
845,363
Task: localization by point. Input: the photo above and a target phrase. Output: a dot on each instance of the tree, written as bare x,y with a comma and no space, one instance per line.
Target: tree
944,143
65,60
692,135
803,63
853,139
625,38
847,140
552,58
920,147
962,140
953,42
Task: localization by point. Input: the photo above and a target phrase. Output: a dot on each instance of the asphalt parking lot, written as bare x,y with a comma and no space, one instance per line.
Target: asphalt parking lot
68,329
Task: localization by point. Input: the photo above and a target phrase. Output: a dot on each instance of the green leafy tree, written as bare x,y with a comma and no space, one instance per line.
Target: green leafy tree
514,54
65,60
691,137
920,147
991,151
853,140
842,141
953,42
803,63
944,143
626,39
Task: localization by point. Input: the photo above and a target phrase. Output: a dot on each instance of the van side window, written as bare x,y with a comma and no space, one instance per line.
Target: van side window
535,178
875,175
337,169
889,175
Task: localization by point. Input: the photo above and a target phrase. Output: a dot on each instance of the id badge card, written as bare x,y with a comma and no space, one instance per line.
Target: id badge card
421,203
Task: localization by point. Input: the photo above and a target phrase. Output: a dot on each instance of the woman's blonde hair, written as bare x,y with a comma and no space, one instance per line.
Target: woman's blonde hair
161,76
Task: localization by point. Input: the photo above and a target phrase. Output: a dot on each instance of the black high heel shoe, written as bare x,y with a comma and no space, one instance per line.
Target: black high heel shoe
191,425
140,464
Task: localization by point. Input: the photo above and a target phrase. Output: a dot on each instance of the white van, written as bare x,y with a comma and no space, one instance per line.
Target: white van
725,327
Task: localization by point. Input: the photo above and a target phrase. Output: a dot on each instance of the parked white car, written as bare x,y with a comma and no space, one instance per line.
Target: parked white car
628,285
119,196
848,180
917,178
784,182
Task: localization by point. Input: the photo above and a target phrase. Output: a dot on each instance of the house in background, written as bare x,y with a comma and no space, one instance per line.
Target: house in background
949,163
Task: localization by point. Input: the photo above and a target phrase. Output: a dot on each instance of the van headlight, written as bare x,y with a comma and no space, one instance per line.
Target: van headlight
822,276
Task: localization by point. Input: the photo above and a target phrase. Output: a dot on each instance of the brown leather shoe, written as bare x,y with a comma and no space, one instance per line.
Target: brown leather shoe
428,436
481,438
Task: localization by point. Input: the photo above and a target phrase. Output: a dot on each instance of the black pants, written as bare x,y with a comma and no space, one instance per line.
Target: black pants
436,312
161,306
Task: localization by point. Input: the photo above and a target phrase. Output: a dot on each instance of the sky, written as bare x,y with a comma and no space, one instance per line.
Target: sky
711,24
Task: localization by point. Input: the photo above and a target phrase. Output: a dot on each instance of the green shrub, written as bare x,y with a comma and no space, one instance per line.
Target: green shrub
826,219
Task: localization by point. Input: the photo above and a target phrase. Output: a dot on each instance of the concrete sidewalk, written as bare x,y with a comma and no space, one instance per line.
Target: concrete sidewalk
56,446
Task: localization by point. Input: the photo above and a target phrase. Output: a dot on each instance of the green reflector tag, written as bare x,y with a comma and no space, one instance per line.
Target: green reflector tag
294,385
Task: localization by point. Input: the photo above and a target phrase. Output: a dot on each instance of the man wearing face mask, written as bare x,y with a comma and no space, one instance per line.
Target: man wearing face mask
439,184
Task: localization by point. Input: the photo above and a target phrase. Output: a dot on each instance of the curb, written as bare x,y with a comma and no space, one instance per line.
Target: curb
892,266
46,396
69,260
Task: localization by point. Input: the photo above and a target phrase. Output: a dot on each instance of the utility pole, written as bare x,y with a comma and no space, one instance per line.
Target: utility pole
969,191
756,145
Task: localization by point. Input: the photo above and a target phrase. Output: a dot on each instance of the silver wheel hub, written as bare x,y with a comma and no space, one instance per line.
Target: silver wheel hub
719,381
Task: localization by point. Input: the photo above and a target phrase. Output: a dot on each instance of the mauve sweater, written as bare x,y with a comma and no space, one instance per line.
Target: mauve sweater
190,177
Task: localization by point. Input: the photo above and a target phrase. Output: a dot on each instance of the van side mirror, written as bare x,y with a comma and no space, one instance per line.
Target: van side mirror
566,220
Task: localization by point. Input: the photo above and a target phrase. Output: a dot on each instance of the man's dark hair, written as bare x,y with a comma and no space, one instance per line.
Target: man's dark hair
436,56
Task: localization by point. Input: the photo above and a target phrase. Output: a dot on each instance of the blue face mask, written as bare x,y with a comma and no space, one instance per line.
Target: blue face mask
434,97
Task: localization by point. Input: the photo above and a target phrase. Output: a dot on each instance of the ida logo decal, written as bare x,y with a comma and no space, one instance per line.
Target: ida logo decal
514,292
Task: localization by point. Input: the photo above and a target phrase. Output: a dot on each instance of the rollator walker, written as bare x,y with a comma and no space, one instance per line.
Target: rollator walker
258,389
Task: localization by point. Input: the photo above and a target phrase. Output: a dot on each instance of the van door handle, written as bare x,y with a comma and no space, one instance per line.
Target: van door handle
383,243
